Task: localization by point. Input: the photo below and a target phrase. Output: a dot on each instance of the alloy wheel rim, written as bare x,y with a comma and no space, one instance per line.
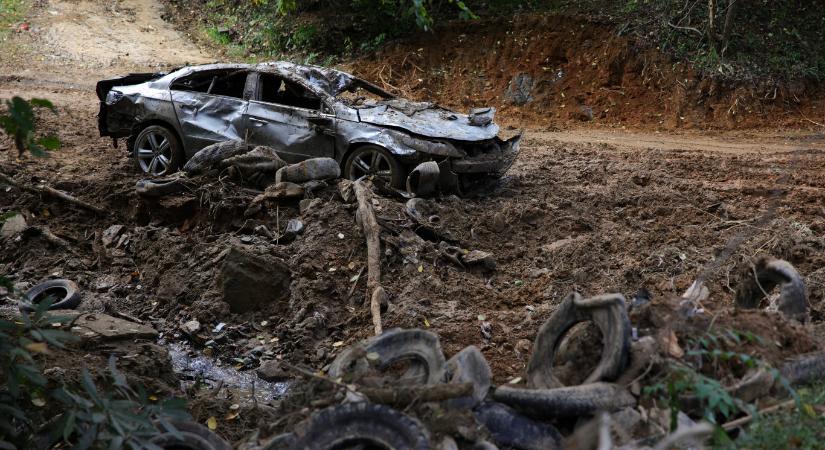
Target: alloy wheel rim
371,164
154,153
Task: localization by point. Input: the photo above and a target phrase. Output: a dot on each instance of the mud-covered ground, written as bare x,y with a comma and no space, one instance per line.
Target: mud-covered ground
574,213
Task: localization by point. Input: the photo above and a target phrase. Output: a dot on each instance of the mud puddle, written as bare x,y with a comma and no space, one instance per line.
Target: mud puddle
195,369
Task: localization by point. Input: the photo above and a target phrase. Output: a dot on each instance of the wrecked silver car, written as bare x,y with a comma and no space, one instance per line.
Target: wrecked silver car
302,112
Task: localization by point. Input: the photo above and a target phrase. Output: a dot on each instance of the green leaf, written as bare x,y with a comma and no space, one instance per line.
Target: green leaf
49,142
42,102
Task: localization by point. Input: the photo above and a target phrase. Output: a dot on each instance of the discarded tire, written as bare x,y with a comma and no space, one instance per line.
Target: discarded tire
362,425
190,436
159,187
423,179
572,401
609,314
64,295
308,170
211,156
805,369
513,430
469,366
421,348
792,302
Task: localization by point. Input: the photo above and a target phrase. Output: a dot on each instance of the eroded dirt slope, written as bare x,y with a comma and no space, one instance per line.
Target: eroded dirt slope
550,70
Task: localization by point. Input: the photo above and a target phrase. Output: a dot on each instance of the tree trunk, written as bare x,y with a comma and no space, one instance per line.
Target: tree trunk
726,28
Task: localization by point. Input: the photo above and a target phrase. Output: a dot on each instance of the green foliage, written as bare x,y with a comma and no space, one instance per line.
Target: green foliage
11,12
794,428
19,123
684,384
85,416
268,28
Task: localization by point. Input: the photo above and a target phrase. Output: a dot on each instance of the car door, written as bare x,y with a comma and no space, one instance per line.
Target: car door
289,118
210,107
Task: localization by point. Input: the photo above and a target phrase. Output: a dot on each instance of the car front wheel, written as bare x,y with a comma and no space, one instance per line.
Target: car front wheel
157,151
377,162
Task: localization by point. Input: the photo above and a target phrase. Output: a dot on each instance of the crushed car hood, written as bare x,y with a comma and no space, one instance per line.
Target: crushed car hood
428,119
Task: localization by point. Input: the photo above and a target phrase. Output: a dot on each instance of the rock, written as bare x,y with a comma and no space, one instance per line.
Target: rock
248,281
94,327
537,273
293,228
13,226
585,113
556,245
111,235
498,223
308,204
262,230
480,259
518,91
272,371
192,327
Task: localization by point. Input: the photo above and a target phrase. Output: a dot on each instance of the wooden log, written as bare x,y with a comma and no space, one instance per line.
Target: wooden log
365,217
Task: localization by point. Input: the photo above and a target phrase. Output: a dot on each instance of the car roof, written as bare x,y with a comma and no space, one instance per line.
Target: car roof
330,81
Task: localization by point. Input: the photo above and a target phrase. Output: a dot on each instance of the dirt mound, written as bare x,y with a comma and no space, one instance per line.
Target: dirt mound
548,70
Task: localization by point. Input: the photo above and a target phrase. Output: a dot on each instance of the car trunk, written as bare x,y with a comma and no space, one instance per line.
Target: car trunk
104,86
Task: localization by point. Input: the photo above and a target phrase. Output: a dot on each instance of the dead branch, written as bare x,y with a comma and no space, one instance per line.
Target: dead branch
737,423
403,396
52,192
365,217
50,237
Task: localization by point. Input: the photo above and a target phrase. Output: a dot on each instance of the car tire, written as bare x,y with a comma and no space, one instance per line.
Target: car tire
513,430
369,156
572,401
190,436
65,293
373,426
157,151
421,348
609,314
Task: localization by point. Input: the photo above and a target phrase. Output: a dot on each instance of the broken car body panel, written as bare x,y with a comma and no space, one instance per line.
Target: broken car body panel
302,112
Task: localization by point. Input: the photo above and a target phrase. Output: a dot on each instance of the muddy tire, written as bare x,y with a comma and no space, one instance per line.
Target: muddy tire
469,366
371,426
574,401
192,436
420,348
372,160
64,294
608,312
513,430
792,303
212,156
159,187
157,151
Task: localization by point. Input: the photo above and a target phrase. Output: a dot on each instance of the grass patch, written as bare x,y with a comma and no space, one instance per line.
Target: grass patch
11,13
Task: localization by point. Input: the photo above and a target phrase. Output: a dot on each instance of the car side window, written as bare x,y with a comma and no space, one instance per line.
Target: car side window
274,89
229,83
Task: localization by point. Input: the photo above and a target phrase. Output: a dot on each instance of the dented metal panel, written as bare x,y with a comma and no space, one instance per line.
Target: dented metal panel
427,119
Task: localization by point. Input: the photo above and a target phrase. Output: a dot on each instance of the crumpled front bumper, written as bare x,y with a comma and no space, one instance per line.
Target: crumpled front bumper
495,162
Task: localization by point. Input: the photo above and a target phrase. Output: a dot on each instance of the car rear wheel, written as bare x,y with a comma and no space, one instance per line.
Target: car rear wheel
377,162
157,151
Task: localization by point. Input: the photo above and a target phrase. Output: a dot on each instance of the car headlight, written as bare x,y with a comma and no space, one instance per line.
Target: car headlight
113,97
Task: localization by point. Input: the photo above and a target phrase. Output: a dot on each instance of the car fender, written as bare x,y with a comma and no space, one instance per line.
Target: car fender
396,142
